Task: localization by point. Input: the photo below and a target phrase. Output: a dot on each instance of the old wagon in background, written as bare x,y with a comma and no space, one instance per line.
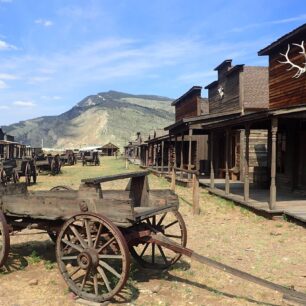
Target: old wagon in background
12,169
91,158
48,163
68,158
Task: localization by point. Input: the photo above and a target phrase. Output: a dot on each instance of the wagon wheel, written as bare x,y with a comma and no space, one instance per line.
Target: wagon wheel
93,257
153,256
15,176
60,187
34,175
4,239
53,167
3,178
27,173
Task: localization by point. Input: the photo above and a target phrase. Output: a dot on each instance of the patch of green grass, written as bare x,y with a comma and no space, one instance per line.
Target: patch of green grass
34,258
49,265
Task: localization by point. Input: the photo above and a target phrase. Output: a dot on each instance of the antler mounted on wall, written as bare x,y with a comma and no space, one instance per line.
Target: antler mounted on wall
300,70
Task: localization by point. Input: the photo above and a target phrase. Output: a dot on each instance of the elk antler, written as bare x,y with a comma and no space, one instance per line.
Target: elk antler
300,70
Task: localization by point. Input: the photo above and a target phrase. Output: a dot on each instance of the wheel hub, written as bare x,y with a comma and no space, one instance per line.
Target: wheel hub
88,259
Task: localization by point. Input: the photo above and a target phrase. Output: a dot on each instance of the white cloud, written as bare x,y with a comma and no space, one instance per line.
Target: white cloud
269,22
44,22
38,79
6,1
24,103
4,107
7,76
2,84
6,46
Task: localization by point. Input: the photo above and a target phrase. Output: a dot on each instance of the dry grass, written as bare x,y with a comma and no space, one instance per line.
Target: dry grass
274,250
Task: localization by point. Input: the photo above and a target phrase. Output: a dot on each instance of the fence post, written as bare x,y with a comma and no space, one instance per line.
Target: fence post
173,179
126,163
195,194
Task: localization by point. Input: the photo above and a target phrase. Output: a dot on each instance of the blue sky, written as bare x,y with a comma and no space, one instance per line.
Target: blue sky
54,53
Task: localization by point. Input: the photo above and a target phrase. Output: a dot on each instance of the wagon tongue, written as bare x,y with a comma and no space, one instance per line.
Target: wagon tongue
289,294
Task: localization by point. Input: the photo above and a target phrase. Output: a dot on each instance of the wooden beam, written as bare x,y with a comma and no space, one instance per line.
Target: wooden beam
247,164
227,178
189,151
162,155
182,155
212,171
173,180
274,128
195,194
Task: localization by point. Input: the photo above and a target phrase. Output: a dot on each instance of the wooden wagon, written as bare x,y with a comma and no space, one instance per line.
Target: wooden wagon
91,158
97,230
12,169
68,158
48,163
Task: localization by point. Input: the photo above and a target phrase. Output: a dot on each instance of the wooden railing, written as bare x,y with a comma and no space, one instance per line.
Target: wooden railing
195,187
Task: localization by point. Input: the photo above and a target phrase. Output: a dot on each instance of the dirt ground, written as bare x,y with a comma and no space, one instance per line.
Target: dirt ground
274,250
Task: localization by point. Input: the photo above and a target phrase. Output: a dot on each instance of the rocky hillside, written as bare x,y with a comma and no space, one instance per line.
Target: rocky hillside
97,119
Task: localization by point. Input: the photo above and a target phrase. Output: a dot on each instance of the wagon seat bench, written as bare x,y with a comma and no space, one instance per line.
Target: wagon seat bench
96,230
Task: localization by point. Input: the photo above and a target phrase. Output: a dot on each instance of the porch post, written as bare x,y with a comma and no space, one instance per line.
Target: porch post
212,171
246,164
147,153
182,155
274,128
169,153
162,156
189,152
175,151
227,178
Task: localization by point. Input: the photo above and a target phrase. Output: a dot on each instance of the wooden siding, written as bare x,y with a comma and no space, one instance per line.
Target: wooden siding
230,101
189,107
284,89
255,86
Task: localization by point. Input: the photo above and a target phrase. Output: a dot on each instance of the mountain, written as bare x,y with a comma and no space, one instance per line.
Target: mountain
97,119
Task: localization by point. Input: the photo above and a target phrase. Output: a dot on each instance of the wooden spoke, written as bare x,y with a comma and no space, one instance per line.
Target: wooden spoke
162,254
88,233
153,253
98,236
74,246
173,236
110,256
171,224
109,268
85,279
106,244
74,272
96,286
77,234
154,220
105,279
144,249
69,257
161,219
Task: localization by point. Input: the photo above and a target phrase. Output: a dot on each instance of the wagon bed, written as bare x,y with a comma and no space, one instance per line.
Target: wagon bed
123,207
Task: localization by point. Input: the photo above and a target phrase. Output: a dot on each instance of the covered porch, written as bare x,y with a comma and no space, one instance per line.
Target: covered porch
284,186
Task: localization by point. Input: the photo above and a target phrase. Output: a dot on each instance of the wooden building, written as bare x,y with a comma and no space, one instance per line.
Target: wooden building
239,90
132,150
284,121
9,148
189,146
109,149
